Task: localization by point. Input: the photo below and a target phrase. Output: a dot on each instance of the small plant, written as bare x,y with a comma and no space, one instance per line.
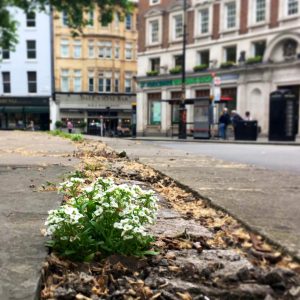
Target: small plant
101,218
73,137
82,125
254,60
152,73
176,70
200,68
227,64
59,124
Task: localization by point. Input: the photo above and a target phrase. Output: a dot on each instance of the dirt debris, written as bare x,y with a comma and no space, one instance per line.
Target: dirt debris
209,255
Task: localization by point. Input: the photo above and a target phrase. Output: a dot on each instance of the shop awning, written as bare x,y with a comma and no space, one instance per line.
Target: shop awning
36,109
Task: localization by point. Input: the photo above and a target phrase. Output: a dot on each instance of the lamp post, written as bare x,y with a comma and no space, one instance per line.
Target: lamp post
182,108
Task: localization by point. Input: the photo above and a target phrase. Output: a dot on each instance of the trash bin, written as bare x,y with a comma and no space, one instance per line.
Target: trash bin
246,131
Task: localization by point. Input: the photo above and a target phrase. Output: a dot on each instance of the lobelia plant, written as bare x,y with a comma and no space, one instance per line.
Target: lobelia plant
102,218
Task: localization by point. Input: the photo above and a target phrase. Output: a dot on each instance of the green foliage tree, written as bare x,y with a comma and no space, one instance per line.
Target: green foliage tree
75,10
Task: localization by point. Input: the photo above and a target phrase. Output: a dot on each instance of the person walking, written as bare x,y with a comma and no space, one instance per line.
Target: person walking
70,126
235,119
248,116
224,121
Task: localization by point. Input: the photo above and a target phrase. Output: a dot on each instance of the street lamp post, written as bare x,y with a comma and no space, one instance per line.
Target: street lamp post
182,108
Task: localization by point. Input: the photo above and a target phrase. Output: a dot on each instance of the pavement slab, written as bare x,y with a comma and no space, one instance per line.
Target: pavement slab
27,162
265,200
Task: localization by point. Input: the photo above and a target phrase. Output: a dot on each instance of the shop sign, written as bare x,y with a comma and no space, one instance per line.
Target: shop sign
174,82
24,101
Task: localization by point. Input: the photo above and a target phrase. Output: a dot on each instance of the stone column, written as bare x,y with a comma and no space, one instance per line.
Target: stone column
164,113
190,93
54,113
141,110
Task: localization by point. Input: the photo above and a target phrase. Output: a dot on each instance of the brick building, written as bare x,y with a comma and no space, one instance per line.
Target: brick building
252,45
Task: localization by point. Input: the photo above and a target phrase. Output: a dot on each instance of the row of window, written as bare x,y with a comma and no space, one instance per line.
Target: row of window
31,82
103,49
30,51
203,57
203,24
128,20
103,82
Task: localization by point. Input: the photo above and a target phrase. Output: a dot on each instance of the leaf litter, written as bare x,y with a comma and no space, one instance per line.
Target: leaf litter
231,263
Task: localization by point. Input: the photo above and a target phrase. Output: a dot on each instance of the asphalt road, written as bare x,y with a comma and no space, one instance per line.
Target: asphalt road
274,157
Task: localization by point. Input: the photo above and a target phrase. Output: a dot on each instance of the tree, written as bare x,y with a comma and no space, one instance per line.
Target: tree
75,9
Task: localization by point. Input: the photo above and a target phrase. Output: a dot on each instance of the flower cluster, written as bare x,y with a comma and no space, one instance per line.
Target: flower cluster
102,217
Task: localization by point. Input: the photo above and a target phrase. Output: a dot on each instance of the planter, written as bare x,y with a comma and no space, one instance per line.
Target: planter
227,65
254,60
152,73
200,68
176,70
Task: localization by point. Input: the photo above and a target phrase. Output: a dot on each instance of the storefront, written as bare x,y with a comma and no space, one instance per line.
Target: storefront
18,112
112,110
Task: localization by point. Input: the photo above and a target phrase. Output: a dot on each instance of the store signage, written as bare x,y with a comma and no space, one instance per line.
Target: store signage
174,82
24,101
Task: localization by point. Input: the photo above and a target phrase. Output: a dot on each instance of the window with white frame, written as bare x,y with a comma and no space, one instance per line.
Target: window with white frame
259,48
128,22
91,18
128,51
155,64
260,11
117,83
128,83
31,19
204,21
105,49
230,54
77,81
91,49
203,57
292,7
65,18
117,19
64,48
177,26
6,82
65,81
77,49
178,60
91,81
117,50
31,49
5,54
230,13
104,82
154,31
32,82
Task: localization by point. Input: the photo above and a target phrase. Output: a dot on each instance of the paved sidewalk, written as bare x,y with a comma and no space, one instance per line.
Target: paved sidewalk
267,201
27,162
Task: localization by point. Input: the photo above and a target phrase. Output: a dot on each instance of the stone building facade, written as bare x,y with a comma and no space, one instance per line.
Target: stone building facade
252,45
95,71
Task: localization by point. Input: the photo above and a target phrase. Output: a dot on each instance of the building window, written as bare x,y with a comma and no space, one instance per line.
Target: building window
91,49
128,83
117,83
30,19
260,10
128,51
117,51
204,21
91,18
230,15
104,82
259,48
154,108
178,60
154,31
91,82
65,18
31,49
65,83
204,57
77,81
128,22
230,54
117,19
105,50
77,49
64,48
32,82
5,54
292,8
6,82
155,64
178,26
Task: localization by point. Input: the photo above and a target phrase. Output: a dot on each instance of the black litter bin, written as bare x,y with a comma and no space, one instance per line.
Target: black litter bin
246,131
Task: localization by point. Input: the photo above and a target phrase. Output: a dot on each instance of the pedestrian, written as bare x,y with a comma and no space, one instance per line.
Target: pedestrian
70,126
224,121
31,125
235,119
248,116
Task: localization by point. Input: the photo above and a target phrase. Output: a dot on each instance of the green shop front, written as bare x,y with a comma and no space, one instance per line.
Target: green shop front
18,112
158,101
